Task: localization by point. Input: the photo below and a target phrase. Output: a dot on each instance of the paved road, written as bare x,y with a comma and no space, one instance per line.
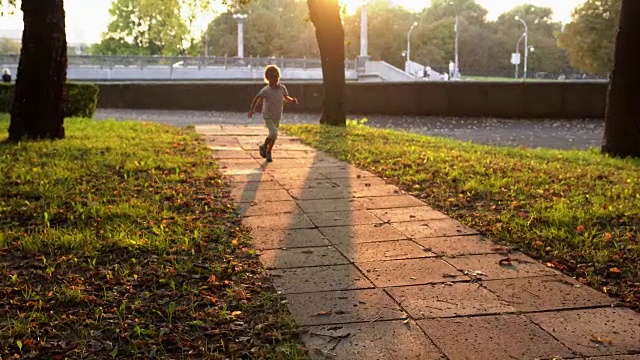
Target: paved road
557,134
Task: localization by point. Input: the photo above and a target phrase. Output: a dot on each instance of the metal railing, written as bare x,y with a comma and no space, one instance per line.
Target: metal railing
105,61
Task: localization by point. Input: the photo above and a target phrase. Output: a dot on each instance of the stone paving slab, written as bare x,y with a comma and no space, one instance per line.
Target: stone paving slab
360,285
488,267
302,257
408,272
433,228
239,164
291,174
340,307
255,176
346,235
294,220
381,340
379,251
246,172
461,245
449,300
320,194
329,205
253,186
379,190
493,338
397,215
547,293
241,154
242,196
295,184
351,172
389,202
320,278
343,218
594,332
359,183
268,207
267,239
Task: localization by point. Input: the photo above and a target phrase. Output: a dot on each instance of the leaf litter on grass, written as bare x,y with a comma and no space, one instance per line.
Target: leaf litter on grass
121,241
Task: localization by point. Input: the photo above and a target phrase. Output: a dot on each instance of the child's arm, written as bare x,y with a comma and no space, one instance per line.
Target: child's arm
290,99
254,105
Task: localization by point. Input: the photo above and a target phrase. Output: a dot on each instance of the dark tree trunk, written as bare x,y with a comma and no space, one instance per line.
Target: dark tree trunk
325,16
37,111
622,125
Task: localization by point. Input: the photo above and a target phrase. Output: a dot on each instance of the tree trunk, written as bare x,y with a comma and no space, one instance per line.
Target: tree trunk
622,125
325,16
37,111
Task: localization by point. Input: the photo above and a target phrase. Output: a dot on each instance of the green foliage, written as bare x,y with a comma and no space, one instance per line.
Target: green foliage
129,227
578,209
272,28
81,99
590,37
9,47
149,27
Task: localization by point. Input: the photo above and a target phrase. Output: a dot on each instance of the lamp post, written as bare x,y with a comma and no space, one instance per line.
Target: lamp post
415,23
240,19
518,52
457,30
364,38
526,45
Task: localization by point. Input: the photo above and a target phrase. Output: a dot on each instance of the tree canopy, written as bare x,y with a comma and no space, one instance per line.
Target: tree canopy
282,28
590,37
151,27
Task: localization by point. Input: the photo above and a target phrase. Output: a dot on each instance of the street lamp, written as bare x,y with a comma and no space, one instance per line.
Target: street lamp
415,23
526,45
240,19
456,29
364,39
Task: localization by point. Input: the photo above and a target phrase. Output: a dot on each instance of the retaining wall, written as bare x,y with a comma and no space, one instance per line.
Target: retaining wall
565,100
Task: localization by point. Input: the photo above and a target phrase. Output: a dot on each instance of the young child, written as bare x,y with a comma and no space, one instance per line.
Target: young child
273,97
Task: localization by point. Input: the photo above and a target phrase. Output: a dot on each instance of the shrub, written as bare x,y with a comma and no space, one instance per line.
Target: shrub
80,100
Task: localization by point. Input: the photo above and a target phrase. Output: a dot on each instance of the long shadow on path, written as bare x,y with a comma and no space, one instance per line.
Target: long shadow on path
372,273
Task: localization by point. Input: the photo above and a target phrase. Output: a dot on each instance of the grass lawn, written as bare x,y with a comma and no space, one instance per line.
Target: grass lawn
121,242
577,211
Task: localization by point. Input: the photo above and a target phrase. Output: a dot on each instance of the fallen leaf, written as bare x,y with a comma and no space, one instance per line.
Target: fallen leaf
505,261
449,275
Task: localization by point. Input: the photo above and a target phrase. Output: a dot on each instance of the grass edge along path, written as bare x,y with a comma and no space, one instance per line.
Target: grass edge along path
121,241
576,211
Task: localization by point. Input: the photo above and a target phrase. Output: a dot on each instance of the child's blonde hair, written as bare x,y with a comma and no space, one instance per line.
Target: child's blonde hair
6,71
271,69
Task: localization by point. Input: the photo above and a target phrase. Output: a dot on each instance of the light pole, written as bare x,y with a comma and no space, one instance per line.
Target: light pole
364,38
240,19
456,29
526,45
518,52
415,23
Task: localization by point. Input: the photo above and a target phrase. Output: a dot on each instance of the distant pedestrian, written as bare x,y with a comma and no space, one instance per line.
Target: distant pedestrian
6,75
452,69
273,97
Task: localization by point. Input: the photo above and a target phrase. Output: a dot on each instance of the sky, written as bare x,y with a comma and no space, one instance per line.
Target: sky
87,19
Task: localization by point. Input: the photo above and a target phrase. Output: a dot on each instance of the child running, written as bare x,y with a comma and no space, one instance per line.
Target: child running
273,97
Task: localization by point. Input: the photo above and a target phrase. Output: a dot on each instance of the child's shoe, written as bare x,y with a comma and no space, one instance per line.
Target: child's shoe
263,151
269,158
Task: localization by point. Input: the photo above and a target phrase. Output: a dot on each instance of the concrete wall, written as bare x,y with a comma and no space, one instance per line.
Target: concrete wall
566,100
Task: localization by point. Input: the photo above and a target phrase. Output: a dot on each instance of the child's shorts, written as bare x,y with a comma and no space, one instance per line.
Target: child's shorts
272,125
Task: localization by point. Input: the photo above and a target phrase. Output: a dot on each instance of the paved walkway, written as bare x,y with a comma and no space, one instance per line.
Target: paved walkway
373,273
